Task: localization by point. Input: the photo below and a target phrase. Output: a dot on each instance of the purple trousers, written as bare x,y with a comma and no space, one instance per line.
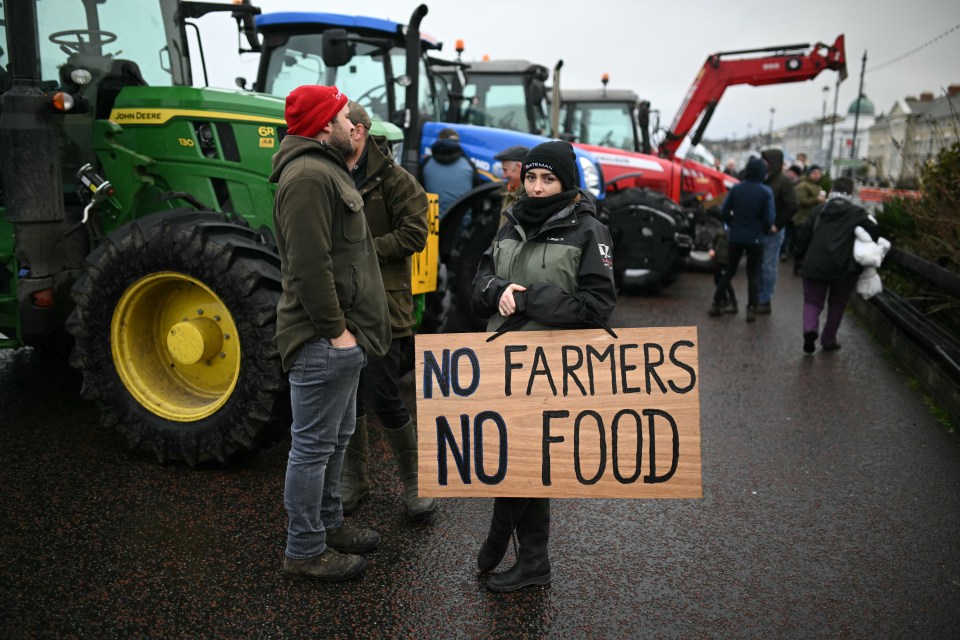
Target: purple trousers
834,294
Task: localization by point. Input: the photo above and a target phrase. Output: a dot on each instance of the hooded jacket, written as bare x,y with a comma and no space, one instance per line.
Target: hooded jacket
808,198
396,209
827,239
784,195
566,266
448,172
331,279
748,208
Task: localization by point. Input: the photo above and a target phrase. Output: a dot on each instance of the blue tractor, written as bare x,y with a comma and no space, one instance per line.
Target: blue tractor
390,69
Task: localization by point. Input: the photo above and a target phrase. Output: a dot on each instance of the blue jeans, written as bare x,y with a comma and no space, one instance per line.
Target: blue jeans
769,266
323,396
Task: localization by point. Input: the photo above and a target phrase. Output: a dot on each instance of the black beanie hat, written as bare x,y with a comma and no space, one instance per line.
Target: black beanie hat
557,157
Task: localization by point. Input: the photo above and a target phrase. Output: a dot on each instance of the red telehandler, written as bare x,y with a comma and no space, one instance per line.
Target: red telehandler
777,65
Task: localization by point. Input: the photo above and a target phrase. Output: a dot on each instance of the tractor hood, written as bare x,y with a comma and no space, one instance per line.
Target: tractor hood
481,144
157,105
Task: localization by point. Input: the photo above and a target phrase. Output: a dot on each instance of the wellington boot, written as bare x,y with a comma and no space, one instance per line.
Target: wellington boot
354,482
403,443
533,563
506,513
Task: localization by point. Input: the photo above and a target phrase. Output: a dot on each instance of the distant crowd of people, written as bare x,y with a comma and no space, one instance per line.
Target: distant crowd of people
777,212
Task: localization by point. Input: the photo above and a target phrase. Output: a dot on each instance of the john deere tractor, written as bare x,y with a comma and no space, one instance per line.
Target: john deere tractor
136,221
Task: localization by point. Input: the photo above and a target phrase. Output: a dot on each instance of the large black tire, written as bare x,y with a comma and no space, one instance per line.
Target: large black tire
647,228
153,389
450,308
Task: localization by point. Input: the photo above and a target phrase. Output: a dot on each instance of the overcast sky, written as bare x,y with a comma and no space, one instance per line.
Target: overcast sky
657,48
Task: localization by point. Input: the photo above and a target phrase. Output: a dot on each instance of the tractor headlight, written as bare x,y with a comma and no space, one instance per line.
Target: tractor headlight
591,176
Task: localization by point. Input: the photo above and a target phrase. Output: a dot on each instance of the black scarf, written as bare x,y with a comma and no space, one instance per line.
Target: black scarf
533,212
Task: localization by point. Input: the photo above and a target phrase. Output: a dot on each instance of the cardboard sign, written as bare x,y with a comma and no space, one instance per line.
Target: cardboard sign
561,414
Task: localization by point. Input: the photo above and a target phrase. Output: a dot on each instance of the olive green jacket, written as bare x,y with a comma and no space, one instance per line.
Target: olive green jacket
396,209
331,280
808,197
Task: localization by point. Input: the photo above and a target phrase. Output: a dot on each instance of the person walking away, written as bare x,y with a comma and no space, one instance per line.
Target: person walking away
720,254
550,266
785,203
748,211
395,207
830,271
511,159
448,172
795,173
331,316
809,196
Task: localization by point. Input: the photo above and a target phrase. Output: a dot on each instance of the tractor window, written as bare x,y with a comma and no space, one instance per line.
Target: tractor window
363,79
127,30
497,101
602,124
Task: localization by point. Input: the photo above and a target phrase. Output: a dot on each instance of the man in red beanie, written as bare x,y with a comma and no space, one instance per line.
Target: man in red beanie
332,314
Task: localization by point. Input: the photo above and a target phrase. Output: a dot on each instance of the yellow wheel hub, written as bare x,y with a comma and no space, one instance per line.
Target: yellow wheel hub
175,346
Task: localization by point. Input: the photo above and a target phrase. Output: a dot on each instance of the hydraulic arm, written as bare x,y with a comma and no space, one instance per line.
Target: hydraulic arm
772,65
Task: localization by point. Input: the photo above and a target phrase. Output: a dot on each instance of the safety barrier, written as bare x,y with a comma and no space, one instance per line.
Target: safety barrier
928,351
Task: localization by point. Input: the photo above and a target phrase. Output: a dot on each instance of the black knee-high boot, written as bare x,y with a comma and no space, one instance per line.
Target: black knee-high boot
507,513
533,564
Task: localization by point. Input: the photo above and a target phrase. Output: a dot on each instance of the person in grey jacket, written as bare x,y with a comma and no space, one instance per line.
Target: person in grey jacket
331,315
549,267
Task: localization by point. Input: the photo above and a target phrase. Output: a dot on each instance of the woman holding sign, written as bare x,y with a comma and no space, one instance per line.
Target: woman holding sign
550,267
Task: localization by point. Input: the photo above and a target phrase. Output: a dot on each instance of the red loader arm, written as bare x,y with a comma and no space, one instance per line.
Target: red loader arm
778,66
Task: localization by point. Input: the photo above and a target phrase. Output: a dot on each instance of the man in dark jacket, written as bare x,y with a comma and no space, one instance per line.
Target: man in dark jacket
829,270
395,206
332,314
785,203
749,213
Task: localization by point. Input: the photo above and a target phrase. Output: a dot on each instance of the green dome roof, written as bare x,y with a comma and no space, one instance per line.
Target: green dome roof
866,106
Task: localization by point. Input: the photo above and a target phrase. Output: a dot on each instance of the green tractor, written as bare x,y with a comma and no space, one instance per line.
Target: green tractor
136,221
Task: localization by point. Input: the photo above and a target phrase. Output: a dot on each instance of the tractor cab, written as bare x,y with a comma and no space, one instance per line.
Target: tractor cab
369,59
603,117
507,94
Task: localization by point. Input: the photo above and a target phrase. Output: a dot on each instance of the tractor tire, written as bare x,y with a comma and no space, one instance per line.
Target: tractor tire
173,327
705,228
450,308
647,228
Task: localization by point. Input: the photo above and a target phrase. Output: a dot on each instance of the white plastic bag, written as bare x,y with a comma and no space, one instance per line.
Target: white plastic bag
869,255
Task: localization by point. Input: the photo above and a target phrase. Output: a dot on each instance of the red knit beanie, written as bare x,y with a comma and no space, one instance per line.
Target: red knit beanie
312,107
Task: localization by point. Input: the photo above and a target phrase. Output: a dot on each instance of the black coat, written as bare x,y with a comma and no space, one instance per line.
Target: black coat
826,240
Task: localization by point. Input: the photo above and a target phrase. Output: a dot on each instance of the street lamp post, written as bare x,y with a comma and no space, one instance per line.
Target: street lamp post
770,131
823,120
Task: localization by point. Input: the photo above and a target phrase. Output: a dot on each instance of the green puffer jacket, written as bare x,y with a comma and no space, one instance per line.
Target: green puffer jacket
566,266
396,208
331,279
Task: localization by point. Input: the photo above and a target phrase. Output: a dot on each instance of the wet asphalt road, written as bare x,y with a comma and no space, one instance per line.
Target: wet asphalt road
831,509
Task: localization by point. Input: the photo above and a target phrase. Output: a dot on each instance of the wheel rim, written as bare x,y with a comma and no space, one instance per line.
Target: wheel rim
175,346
